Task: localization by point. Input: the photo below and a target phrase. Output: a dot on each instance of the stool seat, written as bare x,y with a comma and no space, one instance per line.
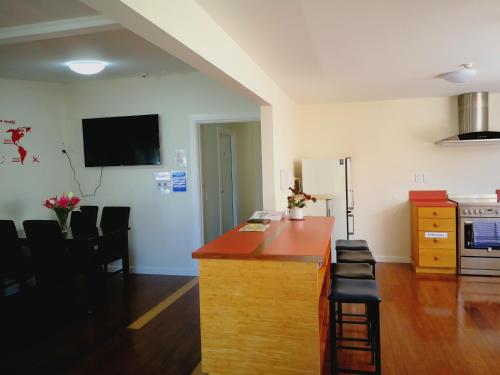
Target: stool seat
351,245
361,256
352,271
360,291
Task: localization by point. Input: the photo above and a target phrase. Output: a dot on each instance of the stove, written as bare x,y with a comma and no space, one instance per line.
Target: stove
478,229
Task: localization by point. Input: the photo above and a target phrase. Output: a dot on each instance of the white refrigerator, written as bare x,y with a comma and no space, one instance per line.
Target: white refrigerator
331,178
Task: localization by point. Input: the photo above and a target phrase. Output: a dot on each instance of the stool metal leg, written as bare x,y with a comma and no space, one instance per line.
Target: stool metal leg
376,334
333,338
340,317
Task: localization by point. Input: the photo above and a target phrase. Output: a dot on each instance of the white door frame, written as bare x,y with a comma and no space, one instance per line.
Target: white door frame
196,121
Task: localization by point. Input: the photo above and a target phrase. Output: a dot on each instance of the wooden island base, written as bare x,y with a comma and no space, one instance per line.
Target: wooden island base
266,312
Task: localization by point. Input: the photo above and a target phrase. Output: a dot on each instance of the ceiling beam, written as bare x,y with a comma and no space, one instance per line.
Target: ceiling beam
56,29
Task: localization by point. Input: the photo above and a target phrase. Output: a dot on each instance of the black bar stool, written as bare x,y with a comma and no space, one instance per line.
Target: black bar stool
358,292
358,256
359,271
351,245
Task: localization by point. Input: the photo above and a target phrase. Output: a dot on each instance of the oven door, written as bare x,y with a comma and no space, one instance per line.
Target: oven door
466,239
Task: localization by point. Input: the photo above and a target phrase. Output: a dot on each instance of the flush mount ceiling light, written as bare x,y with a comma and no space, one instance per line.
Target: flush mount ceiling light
461,75
87,67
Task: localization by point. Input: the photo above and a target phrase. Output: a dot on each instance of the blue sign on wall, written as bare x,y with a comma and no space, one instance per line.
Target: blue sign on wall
179,181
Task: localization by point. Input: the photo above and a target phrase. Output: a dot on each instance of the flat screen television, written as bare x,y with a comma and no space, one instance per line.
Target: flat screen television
124,140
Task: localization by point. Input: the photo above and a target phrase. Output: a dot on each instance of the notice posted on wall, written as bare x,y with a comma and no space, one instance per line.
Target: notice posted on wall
163,182
179,181
436,235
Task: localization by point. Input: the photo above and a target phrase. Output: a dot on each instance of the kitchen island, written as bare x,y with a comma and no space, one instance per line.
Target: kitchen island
263,299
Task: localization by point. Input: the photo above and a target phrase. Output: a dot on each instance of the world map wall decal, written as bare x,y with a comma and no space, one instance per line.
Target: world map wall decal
14,136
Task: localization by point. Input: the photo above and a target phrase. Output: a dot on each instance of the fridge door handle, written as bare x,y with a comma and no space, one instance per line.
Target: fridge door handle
350,217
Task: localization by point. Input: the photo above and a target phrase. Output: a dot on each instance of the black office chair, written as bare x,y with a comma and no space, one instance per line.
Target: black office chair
51,259
15,268
115,246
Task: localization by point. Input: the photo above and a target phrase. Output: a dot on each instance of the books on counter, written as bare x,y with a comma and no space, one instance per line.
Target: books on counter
267,215
253,227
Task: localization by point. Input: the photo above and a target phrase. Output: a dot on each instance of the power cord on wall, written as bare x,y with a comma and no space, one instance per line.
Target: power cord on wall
78,182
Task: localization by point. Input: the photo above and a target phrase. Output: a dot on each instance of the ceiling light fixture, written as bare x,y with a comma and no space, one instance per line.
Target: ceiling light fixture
460,76
87,67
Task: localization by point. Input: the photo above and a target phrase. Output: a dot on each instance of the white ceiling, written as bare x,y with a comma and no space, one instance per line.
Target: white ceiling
22,12
44,60
346,50
128,54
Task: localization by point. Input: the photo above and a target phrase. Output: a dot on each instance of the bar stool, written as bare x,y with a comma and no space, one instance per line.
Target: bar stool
358,256
351,245
360,271
359,292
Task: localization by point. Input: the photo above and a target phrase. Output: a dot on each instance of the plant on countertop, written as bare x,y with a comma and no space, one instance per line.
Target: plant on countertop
299,199
62,206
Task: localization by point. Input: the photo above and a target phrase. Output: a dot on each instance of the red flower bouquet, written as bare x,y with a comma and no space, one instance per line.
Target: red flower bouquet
62,206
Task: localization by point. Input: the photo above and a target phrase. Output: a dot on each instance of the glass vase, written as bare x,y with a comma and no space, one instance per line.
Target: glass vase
62,218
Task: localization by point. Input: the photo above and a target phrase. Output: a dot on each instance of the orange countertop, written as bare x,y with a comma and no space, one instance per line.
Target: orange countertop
430,198
435,203
305,240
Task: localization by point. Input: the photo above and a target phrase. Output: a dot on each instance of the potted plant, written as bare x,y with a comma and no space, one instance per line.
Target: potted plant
297,202
62,206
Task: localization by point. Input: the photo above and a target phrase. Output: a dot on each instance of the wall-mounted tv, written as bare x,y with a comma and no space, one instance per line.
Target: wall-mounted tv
124,140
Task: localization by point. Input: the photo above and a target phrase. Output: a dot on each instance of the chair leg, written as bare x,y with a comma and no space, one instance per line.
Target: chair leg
333,338
375,318
339,318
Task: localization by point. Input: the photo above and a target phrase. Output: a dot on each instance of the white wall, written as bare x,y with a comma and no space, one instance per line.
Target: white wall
390,141
202,43
165,228
23,188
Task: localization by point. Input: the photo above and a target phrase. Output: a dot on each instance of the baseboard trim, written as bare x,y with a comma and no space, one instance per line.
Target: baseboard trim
158,270
392,259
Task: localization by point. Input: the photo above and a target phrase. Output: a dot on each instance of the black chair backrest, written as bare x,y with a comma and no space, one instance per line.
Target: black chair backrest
11,258
115,217
90,215
84,220
47,247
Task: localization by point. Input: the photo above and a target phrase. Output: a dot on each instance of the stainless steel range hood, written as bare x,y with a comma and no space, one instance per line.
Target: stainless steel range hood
472,121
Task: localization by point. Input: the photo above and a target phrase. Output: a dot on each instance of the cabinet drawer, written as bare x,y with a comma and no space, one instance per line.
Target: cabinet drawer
436,212
437,225
437,243
444,258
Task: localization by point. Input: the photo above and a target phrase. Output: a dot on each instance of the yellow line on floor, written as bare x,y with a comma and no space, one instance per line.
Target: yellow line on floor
151,314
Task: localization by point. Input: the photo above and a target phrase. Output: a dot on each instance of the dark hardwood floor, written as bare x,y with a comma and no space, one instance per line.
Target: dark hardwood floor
430,325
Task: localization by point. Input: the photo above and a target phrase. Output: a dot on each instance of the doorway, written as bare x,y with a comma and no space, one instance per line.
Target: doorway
226,183
231,175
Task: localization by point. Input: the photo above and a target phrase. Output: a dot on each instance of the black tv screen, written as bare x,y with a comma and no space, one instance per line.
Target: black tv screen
125,140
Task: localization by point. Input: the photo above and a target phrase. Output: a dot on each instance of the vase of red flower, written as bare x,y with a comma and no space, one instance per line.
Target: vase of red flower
297,202
62,206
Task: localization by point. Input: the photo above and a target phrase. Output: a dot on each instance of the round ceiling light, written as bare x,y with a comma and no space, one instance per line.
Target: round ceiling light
460,76
87,67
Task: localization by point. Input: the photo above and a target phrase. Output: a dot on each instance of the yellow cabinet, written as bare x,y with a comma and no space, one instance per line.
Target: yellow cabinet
433,236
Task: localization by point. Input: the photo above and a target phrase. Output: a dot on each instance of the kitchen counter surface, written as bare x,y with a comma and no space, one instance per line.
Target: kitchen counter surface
304,240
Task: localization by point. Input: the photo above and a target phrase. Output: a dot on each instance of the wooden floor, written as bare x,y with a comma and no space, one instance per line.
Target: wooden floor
430,325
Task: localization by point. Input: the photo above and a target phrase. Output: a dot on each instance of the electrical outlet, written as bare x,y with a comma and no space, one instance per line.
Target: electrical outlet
427,177
419,178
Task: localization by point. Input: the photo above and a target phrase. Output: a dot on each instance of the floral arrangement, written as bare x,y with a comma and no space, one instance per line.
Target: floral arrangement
62,205
299,199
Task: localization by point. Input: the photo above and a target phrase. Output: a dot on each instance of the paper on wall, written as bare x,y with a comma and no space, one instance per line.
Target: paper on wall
163,182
